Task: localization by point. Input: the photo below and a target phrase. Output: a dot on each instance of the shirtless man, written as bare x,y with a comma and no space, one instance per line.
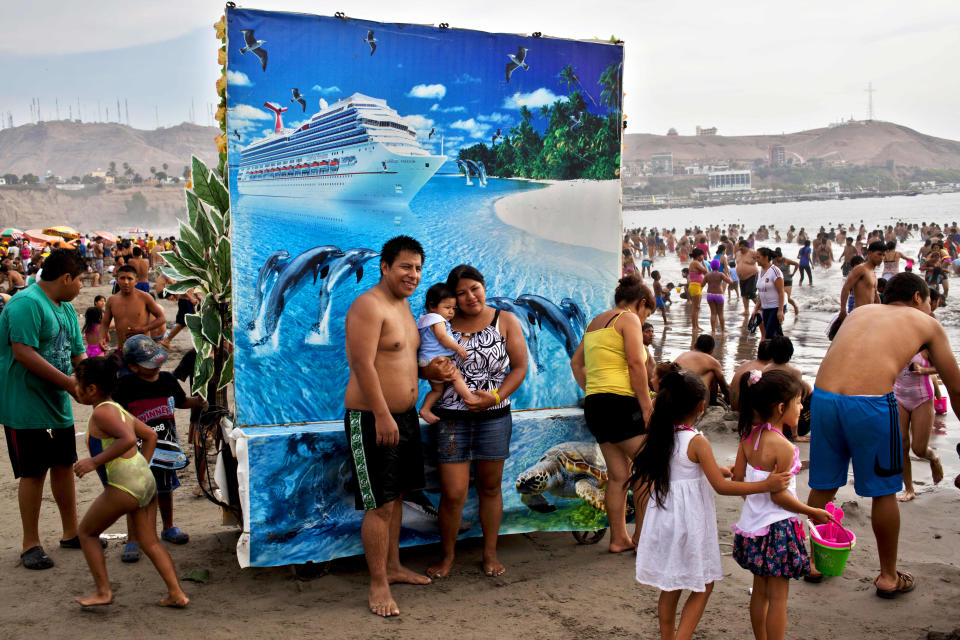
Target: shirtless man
142,265
14,279
381,421
747,272
862,280
133,311
849,251
761,361
855,415
699,361
647,341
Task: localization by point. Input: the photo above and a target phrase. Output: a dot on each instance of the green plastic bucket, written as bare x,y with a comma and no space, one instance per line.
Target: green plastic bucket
831,557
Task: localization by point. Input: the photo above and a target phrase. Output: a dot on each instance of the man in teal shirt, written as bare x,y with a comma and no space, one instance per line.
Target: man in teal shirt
39,344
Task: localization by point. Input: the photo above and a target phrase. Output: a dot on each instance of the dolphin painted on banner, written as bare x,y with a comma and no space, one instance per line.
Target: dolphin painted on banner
529,328
290,280
274,264
547,315
481,176
466,171
340,270
576,315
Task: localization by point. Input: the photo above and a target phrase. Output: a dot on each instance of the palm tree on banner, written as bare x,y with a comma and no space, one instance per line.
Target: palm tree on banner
569,78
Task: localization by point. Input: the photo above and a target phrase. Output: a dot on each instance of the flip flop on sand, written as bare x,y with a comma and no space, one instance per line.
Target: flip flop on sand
905,584
815,578
131,552
173,535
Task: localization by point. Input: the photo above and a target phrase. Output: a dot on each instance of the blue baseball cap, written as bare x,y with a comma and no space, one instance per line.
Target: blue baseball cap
142,351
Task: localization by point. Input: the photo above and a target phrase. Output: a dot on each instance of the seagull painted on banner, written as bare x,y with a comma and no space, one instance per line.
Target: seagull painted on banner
370,40
430,135
255,46
236,133
517,61
297,97
576,121
493,140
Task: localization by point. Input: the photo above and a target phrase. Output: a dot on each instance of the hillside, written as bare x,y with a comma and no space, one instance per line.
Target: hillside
73,149
858,143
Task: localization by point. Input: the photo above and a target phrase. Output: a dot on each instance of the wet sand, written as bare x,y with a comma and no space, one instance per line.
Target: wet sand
553,588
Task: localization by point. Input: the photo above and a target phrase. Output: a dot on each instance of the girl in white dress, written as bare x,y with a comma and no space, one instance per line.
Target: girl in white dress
678,546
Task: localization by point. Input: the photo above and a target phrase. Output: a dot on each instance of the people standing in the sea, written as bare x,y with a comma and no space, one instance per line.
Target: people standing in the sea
716,281
747,272
862,281
848,254
477,433
803,263
783,263
678,546
695,286
772,298
658,293
914,394
610,365
40,343
891,260
855,415
381,423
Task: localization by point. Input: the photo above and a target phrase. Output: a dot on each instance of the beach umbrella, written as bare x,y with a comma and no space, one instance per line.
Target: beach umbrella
63,232
106,235
10,232
35,235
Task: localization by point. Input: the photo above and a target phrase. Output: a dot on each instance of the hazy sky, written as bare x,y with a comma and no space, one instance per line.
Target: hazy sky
746,67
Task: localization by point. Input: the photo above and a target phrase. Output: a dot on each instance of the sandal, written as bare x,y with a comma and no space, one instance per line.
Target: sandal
815,578
35,558
131,552
173,535
74,543
905,584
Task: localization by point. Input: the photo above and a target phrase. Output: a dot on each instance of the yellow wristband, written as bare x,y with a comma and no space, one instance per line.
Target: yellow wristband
496,395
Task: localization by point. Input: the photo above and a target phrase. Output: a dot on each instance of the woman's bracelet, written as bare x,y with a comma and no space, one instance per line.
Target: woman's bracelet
496,396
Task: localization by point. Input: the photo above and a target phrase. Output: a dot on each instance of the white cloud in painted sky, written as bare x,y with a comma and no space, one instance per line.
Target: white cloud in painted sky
431,91
539,98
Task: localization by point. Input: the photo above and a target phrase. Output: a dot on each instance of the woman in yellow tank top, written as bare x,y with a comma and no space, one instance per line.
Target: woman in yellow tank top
610,366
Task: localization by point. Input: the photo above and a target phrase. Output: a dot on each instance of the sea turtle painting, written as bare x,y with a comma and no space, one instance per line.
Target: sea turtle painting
568,470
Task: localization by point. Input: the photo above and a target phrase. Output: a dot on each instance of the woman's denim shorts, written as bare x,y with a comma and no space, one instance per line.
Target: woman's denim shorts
473,438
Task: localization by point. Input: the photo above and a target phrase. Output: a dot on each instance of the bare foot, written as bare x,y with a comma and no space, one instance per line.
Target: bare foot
441,569
404,575
936,468
906,496
96,600
381,602
164,343
428,416
492,566
179,601
620,548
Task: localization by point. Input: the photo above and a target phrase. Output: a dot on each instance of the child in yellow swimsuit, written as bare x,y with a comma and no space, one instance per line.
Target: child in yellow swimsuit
128,484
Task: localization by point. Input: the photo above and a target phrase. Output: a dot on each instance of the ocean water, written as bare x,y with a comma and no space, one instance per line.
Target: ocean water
818,303
299,372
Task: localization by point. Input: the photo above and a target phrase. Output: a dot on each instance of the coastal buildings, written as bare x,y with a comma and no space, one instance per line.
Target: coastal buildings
778,155
662,162
736,180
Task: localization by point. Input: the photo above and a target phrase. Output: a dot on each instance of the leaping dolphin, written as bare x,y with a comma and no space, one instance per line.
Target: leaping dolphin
350,263
529,328
549,316
290,280
274,264
573,311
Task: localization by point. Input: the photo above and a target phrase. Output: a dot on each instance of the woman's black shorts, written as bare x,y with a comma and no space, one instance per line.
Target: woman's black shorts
612,417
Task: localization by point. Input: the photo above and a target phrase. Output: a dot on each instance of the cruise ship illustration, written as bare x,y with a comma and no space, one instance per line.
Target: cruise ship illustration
357,149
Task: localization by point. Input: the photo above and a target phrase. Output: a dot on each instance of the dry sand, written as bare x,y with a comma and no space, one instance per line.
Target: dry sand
553,588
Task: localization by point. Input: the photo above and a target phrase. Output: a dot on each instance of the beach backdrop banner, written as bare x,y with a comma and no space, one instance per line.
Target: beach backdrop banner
299,502
497,150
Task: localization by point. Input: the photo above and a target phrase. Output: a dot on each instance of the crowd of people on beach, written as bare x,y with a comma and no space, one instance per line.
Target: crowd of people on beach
113,363
643,414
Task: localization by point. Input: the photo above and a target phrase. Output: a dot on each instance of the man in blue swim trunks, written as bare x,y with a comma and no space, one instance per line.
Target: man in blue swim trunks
854,413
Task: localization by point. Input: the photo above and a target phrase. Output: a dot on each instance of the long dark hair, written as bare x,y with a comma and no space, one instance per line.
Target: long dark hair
680,393
758,399
91,317
100,371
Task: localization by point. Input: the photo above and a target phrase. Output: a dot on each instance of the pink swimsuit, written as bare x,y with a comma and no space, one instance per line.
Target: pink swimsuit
912,389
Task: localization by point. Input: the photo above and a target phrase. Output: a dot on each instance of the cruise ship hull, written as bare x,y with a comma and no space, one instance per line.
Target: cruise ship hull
381,176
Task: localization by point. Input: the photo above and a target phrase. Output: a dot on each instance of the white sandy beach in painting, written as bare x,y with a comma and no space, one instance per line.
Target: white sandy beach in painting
577,212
